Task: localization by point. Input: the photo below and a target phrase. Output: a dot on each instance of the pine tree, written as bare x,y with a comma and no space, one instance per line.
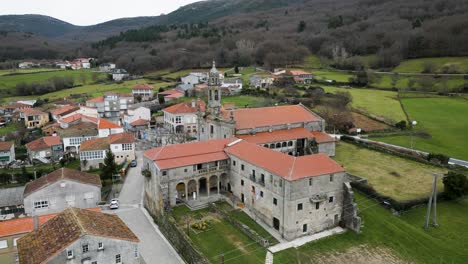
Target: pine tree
110,168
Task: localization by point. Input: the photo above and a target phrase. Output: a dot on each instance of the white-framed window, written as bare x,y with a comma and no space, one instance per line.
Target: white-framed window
331,177
127,146
69,254
85,248
41,204
3,244
100,246
136,251
118,259
89,195
16,257
15,241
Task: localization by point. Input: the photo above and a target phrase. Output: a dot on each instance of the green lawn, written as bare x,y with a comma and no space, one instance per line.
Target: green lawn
444,118
338,76
390,175
403,237
417,65
8,83
7,129
242,101
94,90
23,71
448,83
376,102
220,238
313,62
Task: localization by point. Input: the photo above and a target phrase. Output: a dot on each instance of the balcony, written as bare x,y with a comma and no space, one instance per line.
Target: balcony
211,169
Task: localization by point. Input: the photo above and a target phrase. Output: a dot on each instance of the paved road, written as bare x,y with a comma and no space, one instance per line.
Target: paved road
154,248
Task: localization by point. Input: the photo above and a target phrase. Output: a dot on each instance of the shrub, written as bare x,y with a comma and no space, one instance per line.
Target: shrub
454,185
401,125
438,158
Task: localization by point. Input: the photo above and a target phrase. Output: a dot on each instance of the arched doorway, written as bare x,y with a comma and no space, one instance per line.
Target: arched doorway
202,187
214,184
180,188
192,190
179,129
224,182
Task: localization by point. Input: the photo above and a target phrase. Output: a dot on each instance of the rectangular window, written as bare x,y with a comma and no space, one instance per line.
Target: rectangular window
118,259
304,228
299,207
15,241
164,173
275,201
330,199
94,262
280,183
331,177
211,129
89,195
233,163
242,182
317,206
100,245
310,182
85,248
136,252
3,244
261,193
69,254
41,204
242,166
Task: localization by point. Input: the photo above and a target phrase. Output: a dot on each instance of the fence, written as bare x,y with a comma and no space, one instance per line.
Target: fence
179,240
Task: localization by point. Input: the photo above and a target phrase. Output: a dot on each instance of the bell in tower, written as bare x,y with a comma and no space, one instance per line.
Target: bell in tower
213,78
214,90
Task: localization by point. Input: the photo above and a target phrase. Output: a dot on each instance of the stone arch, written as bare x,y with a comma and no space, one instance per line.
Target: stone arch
180,189
272,146
202,186
214,184
284,144
224,182
278,145
192,190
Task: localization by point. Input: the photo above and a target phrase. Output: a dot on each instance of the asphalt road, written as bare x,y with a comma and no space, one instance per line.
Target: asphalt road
154,248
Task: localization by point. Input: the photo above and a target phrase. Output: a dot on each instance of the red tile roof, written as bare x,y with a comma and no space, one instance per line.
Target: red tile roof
322,137
17,105
32,111
96,100
173,156
139,122
143,86
71,118
288,167
44,143
61,174
170,92
278,135
186,107
5,145
95,144
26,224
53,237
65,110
106,124
121,138
299,72
271,116
174,95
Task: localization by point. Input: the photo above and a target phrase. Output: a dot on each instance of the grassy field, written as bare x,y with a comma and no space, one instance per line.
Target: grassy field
392,176
8,83
444,118
220,238
23,71
314,62
417,65
94,90
7,129
242,101
386,238
338,76
441,83
378,103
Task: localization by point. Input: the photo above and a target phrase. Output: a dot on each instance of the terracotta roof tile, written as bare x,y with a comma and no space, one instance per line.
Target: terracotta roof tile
300,72
271,116
286,166
278,135
96,100
44,143
79,130
5,145
322,137
61,174
186,107
17,105
71,118
106,124
170,92
121,138
32,111
139,122
143,86
95,144
59,232
65,110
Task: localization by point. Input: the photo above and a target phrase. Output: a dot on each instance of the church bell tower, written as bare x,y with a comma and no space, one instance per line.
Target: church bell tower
214,90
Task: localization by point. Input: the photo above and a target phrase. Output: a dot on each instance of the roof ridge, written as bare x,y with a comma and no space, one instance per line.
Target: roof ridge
292,168
83,230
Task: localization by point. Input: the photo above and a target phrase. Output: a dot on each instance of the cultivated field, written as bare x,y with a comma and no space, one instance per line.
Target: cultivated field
392,176
417,65
25,71
444,118
367,124
386,238
378,103
436,83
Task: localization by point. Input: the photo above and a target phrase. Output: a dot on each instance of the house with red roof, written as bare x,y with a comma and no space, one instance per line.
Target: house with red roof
302,77
7,152
183,117
45,149
106,128
171,95
143,90
295,196
33,118
135,113
64,111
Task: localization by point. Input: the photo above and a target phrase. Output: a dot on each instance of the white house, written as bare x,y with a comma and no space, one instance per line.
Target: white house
107,67
119,74
106,128
60,189
123,147
182,118
88,111
74,135
7,152
143,90
135,113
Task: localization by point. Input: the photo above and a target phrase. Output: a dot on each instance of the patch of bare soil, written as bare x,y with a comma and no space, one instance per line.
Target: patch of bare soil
356,255
367,124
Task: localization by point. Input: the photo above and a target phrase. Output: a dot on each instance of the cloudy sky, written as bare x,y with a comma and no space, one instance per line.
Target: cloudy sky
89,12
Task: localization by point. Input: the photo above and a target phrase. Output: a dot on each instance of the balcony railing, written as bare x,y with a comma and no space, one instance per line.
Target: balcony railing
212,169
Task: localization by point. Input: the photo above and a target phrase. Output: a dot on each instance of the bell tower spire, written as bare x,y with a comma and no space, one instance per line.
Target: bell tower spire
214,90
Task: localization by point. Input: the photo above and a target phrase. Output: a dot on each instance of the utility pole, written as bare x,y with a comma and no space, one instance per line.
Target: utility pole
432,202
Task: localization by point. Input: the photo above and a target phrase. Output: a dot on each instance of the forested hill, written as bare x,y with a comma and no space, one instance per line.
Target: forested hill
340,30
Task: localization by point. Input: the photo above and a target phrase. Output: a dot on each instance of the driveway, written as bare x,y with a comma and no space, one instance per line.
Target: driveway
154,248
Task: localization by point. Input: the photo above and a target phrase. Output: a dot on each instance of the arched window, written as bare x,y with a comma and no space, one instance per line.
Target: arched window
283,144
266,145
290,143
278,145
216,95
272,146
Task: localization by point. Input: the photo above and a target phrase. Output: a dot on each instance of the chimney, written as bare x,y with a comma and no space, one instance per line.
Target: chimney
36,221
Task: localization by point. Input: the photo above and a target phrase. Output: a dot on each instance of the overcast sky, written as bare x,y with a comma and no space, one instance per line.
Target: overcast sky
90,12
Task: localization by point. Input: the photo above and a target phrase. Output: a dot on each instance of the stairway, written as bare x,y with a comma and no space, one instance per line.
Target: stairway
269,258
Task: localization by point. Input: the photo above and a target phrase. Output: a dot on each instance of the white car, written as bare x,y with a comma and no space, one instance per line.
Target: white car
114,204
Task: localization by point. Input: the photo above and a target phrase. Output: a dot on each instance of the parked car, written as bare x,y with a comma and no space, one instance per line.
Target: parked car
133,163
114,204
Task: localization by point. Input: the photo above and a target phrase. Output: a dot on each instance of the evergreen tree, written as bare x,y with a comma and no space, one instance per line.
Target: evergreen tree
236,69
110,167
454,185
